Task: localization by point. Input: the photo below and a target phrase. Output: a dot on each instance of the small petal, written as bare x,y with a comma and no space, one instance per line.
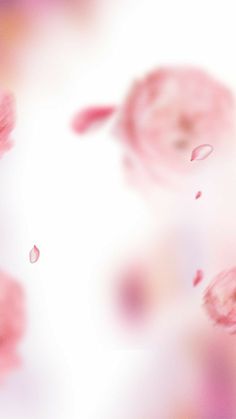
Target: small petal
89,117
198,277
201,152
198,195
34,254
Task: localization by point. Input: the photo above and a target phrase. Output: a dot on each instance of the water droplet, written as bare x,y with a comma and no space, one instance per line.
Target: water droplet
201,152
88,118
198,277
34,254
198,195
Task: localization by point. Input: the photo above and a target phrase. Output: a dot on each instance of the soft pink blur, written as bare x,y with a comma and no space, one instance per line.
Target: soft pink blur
12,322
22,21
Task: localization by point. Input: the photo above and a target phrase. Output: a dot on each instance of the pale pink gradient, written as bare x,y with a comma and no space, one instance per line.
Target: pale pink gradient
12,322
220,299
7,121
217,383
170,112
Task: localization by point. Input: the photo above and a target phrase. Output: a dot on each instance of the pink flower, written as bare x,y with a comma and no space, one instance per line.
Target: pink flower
12,322
169,113
7,121
220,299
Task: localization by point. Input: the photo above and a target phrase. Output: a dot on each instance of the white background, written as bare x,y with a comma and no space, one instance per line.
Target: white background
67,195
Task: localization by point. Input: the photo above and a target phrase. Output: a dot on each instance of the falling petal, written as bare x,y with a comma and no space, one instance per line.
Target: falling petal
34,254
198,195
198,277
201,152
89,117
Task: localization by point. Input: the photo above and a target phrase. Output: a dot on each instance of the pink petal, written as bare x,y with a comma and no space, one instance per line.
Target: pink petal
198,195
89,117
34,254
198,277
201,152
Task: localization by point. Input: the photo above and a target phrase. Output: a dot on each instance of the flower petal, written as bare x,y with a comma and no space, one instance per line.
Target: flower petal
87,118
198,277
201,152
198,195
34,254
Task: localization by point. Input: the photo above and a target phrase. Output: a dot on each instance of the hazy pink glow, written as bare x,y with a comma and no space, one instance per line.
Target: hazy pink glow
220,299
34,254
7,121
133,294
218,381
198,277
12,322
31,5
170,112
198,195
201,152
88,118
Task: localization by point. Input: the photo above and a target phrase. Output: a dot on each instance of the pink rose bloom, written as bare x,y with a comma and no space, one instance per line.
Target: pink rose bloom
7,121
12,322
169,113
220,299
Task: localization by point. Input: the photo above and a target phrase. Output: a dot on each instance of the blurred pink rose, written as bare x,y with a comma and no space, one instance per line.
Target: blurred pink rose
169,113
12,322
220,299
7,121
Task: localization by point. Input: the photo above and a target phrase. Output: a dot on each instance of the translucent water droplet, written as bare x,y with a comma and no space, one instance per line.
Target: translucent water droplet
34,254
201,152
198,195
88,118
198,277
